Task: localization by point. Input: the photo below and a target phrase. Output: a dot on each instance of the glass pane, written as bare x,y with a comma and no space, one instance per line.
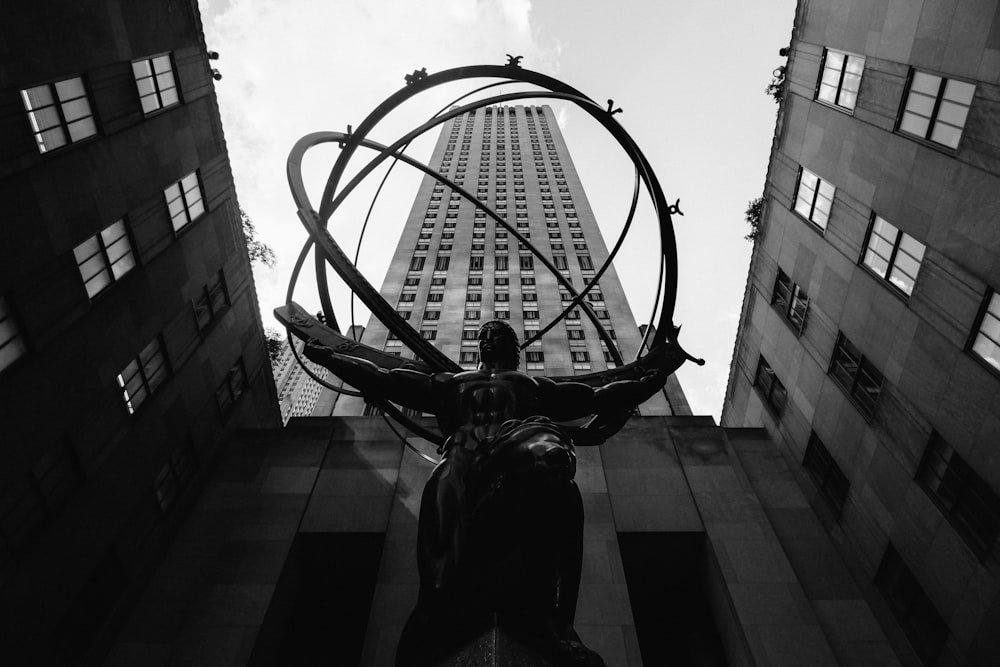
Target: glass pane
141,69
51,139
925,83
912,247
175,207
145,87
847,99
851,83
86,250
70,89
959,91
919,104
190,182
11,351
196,209
169,97
76,109
988,350
876,263
92,266
43,119
150,103
162,64
82,129
946,135
914,124
39,96
123,265
835,60
855,65
990,327
98,283
953,114
165,81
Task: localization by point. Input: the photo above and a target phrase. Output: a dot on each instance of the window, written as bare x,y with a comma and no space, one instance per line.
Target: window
407,297
428,334
184,201
417,263
474,297
502,296
432,315
841,79
213,299
963,496
411,282
609,359
470,334
154,78
435,297
529,296
404,314
501,281
231,388
813,198
527,280
530,314
501,314
923,624
771,390
12,345
575,334
574,315
585,262
59,113
855,375
936,108
143,375
527,263
104,258
476,263
893,255
789,300
437,282
579,357
560,262
986,341
501,262
826,473
175,476
534,361
472,314
469,358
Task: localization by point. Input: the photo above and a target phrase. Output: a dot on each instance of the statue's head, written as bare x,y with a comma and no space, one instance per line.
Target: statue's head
498,343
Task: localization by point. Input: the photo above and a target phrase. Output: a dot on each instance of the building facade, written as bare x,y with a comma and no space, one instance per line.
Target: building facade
131,345
298,393
868,342
454,268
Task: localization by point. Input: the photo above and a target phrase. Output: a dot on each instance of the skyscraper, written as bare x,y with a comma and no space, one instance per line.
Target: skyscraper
298,393
454,268
869,344
130,342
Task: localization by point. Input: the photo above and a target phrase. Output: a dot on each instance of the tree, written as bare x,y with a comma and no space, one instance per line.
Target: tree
257,249
752,216
275,343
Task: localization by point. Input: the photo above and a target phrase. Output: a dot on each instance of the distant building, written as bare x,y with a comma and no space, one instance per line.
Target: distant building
297,392
869,344
130,342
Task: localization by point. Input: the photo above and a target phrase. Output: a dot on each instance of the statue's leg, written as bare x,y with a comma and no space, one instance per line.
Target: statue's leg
441,534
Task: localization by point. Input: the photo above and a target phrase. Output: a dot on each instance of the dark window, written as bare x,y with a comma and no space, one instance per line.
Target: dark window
470,334
527,280
789,300
404,314
501,263
581,356
856,375
814,198
476,263
184,201
59,113
529,296
174,477
964,497
826,473
501,314
407,297
417,263
771,389
560,262
104,258
936,108
530,314
232,387
469,357
154,77
432,314
412,282
527,263
573,315
428,334
474,296
585,262
438,282
213,299
143,375
12,345
441,263
501,281
923,624
472,314
840,79
502,296
985,342
575,334
435,297
893,255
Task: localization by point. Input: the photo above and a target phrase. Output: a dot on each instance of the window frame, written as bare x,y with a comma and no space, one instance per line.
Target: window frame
57,104
149,381
891,266
154,77
186,206
821,228
787,306
767,394
935,111
835,104
843,345
824,470
985,312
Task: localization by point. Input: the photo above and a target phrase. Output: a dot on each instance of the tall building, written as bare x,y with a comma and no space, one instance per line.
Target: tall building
454,268
869,344
298,393
130,342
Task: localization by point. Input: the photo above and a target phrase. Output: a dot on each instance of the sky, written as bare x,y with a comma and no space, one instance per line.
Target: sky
689,76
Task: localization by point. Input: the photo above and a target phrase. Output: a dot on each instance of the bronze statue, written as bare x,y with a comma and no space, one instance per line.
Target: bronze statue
500,532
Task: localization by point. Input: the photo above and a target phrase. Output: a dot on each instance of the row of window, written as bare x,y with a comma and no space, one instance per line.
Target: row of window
933,108
60,112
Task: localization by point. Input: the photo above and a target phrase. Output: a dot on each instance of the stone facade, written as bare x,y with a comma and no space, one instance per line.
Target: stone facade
908,418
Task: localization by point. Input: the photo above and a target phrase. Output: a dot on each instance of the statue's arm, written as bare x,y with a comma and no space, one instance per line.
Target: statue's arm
402,386
569,400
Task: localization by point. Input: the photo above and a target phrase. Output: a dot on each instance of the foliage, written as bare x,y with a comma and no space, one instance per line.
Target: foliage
257,249
776,88
752,215
275,343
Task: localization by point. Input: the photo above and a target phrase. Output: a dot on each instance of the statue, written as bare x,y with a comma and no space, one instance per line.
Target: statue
500,532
